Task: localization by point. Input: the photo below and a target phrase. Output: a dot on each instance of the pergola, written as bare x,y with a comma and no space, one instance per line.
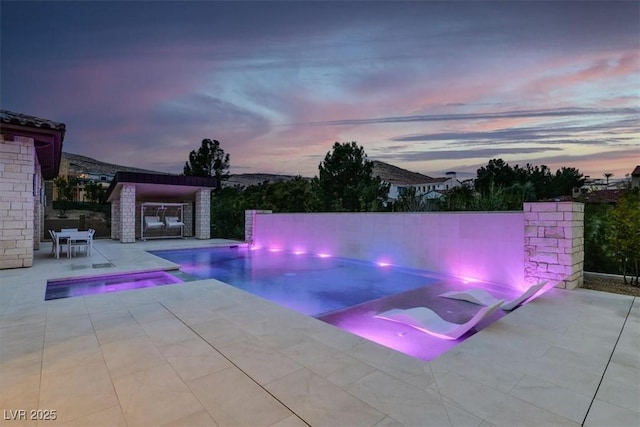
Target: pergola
129,192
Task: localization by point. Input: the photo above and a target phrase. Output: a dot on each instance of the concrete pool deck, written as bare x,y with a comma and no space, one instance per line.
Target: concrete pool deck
204,353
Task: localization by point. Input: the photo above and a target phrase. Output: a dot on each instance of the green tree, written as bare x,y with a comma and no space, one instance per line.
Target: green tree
597,255
457,199
411,201
497,173
495,198
530,183
95,192
66,189
208,160
565,180
296,195
623,232
345,181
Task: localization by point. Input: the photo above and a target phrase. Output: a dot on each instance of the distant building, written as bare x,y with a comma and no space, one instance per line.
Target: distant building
85,170
401,180
635,177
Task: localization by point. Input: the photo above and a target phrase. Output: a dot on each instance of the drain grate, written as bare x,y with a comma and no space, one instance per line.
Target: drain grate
79,267
102,265
183,276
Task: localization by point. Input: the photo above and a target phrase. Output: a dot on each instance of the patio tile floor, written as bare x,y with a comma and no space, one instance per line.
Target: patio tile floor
204,353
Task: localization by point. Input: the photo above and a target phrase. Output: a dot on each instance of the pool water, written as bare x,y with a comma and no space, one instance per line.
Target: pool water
57,289
346,293
310,284
343,292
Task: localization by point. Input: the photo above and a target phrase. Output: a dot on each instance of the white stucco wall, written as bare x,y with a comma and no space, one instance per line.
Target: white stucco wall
485,246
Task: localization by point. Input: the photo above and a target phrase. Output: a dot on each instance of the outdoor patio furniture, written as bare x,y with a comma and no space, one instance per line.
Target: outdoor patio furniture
173,221
55,243
152,222
73,240
426,320
482,297
80,240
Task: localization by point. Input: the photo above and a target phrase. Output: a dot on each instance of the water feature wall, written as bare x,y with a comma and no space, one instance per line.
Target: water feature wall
545,242
486,246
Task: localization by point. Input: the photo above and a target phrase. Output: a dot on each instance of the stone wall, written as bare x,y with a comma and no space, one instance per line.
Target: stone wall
249,221
16,202
517,249
38,206
187,218
128,213
115,219
554,243
203,213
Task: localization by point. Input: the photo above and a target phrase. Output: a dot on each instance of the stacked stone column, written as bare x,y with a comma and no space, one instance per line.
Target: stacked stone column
554,243
203,214
127,224
38,210
249,223
187,218
16,202
115,219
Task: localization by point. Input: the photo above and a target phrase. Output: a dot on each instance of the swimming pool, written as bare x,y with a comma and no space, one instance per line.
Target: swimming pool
346,293
310,284
66,288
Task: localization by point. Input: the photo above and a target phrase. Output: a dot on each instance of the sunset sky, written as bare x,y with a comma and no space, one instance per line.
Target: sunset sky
427,86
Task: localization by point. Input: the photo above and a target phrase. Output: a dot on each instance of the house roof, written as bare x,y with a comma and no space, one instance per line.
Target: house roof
47,135
154,187
395,175
442,179
636,171
599,196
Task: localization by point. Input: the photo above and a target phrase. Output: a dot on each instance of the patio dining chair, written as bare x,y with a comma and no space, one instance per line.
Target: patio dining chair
53,241
57,242
80,240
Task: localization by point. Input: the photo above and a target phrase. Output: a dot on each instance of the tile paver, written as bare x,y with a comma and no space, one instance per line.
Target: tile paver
204,353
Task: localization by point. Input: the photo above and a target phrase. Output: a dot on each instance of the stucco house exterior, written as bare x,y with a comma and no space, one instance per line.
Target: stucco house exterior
30,152
430,188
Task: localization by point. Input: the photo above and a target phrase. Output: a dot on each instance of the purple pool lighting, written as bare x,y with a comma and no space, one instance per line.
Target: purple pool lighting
346,293
57,289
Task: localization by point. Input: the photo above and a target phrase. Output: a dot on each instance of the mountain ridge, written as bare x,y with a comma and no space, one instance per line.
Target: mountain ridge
79,164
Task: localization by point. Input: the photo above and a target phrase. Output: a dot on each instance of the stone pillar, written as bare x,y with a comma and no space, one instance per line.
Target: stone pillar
115,219
203,213
187,218
554,243
17,209
249,223
38,215
128,213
